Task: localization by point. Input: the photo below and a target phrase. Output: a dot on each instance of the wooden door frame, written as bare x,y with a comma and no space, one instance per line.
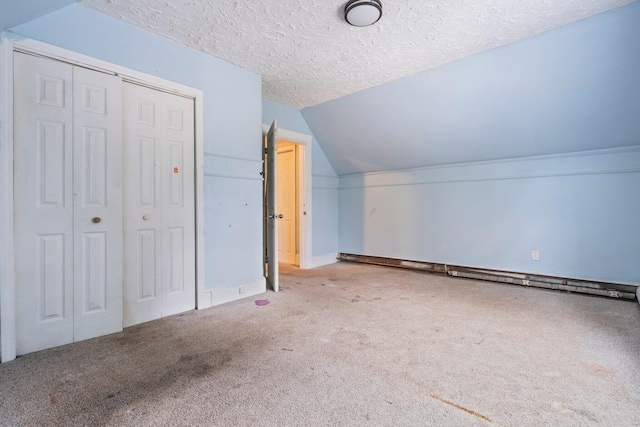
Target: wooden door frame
305,210
33,47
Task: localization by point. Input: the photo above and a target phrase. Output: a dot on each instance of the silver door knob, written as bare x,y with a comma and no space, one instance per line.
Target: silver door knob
145,217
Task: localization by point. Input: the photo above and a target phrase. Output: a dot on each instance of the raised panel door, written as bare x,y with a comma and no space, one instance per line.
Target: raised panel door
97,203
178,204
68,203
43,204
159,204
142,208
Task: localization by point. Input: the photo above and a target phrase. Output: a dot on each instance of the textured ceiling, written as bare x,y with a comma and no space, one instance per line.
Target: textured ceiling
307,54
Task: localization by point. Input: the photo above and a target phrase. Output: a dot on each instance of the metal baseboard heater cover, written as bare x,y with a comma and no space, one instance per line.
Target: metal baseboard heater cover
610,290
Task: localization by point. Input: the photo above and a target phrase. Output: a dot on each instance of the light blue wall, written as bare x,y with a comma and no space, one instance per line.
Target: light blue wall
581,211
232,128
15,12
324,180
565,95
572,89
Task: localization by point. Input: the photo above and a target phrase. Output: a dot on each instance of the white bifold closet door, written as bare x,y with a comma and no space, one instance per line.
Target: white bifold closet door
159,204
67,203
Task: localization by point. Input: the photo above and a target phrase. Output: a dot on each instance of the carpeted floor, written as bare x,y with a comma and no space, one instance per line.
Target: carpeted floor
349,345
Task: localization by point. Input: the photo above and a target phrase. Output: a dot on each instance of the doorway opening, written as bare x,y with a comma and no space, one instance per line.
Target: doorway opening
288,182
287,201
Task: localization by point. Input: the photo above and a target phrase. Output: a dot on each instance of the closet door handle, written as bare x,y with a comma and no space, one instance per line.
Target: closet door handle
96,220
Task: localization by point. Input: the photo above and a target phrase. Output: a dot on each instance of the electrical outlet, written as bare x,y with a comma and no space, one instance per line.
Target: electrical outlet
535,255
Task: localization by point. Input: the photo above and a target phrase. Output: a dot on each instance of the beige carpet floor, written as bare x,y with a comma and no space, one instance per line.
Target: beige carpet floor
349,345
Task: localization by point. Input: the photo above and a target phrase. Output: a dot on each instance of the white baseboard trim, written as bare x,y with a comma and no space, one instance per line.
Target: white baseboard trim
213,297
326,259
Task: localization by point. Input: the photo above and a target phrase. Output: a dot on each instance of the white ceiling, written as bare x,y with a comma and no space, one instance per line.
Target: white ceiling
307,54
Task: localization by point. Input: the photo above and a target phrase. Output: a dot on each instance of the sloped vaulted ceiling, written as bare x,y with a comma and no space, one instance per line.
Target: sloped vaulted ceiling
572,89
307,54
433,82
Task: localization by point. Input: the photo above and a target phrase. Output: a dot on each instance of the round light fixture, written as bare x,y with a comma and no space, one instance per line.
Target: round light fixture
361,13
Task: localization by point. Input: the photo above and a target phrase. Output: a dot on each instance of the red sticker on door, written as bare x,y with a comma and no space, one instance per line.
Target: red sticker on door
176,170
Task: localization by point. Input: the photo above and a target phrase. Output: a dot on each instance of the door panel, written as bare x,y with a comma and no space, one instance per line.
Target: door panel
43,205
52,152
147,267
93,289
51,266
159,223
97,164
272,269
144,176
176,250
175,185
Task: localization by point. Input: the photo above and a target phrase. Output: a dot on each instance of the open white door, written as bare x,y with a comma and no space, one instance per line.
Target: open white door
272,206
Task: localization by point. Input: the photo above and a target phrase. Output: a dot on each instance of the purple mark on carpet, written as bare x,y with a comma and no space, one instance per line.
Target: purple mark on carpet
261,302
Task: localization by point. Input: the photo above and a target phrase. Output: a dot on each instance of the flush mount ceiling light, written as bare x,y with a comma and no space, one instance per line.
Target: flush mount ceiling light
361,13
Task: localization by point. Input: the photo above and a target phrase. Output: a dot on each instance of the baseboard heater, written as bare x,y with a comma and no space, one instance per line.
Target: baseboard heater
605,289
